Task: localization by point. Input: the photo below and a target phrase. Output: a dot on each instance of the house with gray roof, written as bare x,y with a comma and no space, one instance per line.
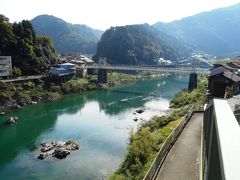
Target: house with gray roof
224,77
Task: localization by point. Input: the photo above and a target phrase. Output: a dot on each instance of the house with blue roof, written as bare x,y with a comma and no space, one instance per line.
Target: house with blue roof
65,68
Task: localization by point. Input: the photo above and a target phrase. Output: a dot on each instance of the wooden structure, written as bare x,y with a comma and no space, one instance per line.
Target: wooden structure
224,77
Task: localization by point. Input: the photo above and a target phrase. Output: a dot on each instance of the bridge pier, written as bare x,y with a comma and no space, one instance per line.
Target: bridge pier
192,83
102,76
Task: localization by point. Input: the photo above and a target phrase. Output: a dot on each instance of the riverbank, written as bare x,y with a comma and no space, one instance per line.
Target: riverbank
100,121
147,141
16,95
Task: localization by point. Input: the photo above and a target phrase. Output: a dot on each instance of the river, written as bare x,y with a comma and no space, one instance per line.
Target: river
100,121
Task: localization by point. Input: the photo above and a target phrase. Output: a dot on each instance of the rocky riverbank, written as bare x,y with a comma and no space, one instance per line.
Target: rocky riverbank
16,95
58,149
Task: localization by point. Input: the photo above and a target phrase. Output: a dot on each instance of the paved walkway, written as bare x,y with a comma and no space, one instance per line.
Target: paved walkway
181,162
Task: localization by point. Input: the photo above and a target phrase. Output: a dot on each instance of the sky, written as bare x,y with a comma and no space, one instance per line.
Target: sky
102,14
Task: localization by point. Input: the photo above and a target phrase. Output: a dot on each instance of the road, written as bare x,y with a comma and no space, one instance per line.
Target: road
24,78
181,162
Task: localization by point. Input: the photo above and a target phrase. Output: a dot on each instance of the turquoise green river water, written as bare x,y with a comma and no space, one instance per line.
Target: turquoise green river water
100,121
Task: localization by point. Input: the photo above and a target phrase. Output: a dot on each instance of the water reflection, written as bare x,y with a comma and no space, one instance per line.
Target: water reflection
100,121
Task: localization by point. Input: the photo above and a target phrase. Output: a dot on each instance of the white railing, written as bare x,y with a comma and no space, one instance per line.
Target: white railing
167,145
221,143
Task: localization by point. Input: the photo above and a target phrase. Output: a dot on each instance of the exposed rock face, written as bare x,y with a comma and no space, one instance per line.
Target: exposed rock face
135,119
140,111
102,86
61,153
12,120
2,113
58,149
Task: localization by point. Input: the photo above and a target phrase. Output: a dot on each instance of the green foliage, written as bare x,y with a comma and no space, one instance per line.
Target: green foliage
139,150
119,78
55,88
142,149
157,122
229,91
134,44
16,72
7,37
22,98
196,97
30,54
76,86
67,37
147,141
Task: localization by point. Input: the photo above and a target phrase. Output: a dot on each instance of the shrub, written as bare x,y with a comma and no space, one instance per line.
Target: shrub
75,86
22,98
16,72
55,88
139,149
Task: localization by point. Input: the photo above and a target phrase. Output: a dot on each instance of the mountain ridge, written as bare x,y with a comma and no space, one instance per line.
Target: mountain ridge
136,44
215,32
67,37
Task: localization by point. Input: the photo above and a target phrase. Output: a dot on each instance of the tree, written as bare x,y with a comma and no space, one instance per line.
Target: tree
31,54
7,37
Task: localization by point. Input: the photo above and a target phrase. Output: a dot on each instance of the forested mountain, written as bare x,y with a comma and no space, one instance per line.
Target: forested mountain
31,54
137,44
216,32
67,37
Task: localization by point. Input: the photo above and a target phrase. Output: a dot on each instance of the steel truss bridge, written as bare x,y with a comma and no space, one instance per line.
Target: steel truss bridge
162,69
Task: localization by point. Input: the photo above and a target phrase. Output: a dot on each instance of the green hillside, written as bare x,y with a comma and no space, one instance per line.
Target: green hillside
136,44
67,37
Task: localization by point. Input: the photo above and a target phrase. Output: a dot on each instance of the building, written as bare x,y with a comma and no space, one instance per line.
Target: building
65,68
5,66
224,79
77,59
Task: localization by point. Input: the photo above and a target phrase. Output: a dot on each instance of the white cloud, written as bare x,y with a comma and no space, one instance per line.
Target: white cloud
105,13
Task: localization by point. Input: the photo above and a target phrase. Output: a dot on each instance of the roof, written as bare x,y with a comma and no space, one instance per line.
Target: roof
232,76
67,64
217,70
84,58
76,61
228,71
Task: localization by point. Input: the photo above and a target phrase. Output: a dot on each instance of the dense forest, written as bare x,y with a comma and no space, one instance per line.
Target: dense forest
215,32
136,44
67,37
31,54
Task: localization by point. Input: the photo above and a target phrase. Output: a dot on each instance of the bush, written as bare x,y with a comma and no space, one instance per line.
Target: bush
55,89
22,98
16,72
28,85
75,86
185,98
139,149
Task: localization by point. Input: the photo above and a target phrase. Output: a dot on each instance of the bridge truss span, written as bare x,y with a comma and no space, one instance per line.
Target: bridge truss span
161,69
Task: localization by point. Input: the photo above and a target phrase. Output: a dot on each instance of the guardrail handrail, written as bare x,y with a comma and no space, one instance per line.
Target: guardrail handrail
221,142
168,143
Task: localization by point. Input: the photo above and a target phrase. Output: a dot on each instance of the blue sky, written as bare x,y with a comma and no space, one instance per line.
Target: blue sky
102,14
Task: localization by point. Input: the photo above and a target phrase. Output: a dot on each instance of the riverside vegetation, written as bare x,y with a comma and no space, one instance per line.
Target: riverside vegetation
14,95
147,141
